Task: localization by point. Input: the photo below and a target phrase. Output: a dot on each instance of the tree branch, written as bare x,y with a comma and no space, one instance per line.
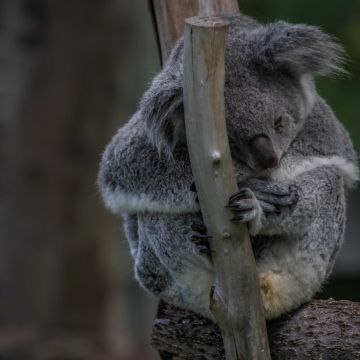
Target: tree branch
235,298
321,329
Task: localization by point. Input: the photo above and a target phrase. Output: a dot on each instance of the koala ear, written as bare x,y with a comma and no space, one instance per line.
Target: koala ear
299,49
162,104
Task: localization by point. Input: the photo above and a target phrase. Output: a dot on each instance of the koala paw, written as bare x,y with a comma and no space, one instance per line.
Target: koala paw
281,293
246,208
271,195
200,238
270,294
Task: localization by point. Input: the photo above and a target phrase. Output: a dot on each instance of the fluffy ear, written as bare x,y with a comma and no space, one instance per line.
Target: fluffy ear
162,104
300,49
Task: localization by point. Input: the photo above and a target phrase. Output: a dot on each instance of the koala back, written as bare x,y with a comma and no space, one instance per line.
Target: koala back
135,177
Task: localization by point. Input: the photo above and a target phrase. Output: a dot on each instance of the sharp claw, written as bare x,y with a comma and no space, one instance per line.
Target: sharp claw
200,236
233,201
237,218
205,250
198,228
197,242
233,207
238,194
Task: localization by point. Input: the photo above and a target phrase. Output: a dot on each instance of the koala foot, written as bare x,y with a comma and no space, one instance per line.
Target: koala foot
200,238
259,197
270,294
272,195
281,293
244,205
246,209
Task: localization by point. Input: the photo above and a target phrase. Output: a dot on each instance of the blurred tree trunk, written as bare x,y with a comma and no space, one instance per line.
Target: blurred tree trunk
58,274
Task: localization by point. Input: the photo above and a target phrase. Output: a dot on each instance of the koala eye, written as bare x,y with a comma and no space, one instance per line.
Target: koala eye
279,124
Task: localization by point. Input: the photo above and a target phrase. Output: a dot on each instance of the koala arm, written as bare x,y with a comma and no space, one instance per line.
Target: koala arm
319,193
146,168
288,205
319,183
134,177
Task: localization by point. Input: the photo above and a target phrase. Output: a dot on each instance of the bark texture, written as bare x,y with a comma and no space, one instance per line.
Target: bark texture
321,329
63,281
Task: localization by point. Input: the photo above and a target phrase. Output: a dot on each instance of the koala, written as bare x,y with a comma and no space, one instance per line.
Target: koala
293,160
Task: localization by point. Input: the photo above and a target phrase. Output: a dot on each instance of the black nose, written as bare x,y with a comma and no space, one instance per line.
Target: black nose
263,152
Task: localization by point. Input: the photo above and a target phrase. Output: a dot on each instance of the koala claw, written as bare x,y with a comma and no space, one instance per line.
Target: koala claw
246,217
201,243
244,205
204,249
199,227
238,195
271,195
200,239
193,187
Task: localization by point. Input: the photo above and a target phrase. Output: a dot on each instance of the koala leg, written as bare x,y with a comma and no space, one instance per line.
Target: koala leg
190,271
299,242
293,268
283,291
149,271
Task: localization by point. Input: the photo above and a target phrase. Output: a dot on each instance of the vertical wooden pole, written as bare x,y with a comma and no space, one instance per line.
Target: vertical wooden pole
240,316
235,297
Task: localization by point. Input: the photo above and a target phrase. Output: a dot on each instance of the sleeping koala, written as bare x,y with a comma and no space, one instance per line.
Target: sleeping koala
294,162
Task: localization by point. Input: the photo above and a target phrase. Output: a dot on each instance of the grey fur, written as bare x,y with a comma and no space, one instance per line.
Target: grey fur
295,211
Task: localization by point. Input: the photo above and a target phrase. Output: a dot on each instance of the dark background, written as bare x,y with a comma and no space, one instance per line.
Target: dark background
72,71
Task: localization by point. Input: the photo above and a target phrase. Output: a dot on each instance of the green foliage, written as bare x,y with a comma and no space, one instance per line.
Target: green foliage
337,17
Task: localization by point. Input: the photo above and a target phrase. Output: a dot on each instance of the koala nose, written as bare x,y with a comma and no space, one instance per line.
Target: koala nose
263,152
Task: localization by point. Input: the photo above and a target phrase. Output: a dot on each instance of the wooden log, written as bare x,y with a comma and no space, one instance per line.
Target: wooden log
321,329
235,297
169,17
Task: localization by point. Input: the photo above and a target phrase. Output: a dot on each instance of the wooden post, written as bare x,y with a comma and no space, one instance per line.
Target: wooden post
169,17
235,297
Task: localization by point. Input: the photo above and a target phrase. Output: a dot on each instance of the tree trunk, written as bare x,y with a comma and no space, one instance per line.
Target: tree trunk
169,17
61,60
321,329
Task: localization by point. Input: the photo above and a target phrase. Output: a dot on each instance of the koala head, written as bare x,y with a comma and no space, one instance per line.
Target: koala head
269,89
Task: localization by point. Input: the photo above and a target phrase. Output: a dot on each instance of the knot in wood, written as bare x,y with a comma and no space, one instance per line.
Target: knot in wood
216,157
226,235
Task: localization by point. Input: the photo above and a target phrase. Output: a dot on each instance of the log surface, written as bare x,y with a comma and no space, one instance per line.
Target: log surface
321,329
